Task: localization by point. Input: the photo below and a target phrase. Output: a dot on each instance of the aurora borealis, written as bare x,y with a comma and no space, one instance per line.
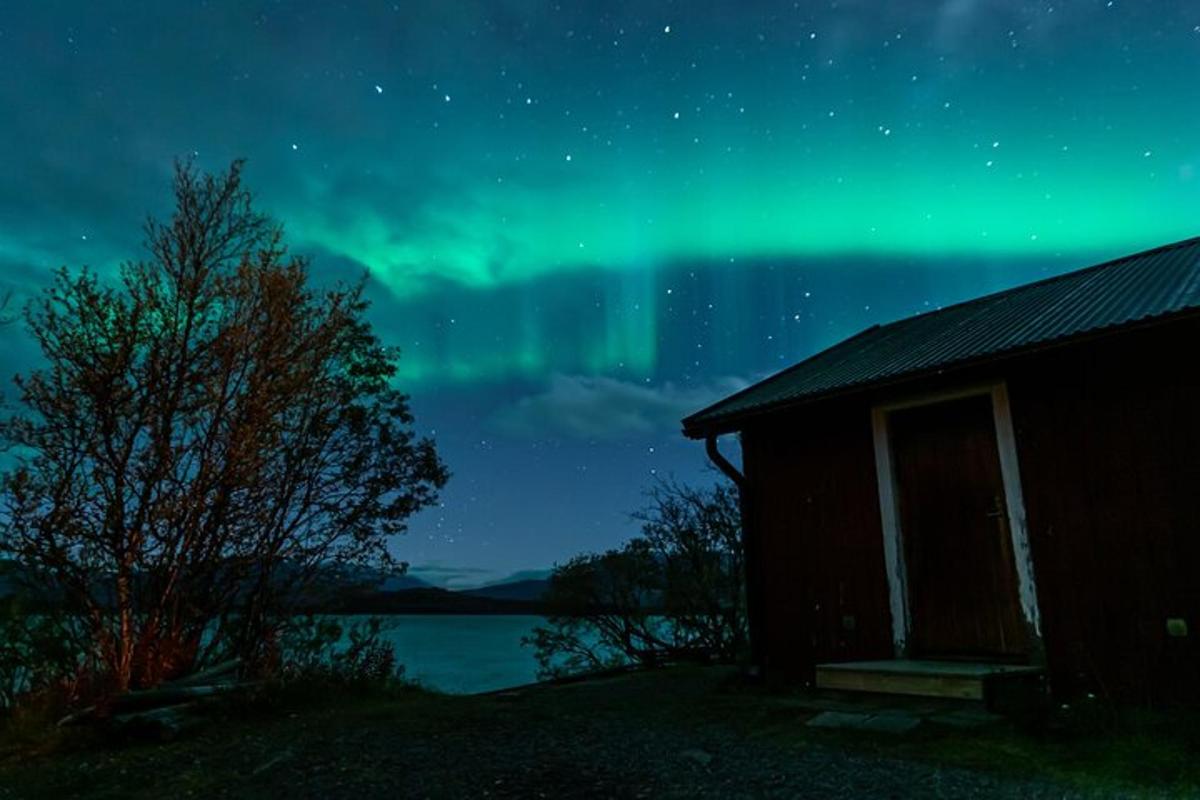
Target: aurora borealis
584,219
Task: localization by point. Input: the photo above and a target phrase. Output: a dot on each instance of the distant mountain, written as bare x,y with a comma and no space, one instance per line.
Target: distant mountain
347,576
410,595
429,600
17,580
531,590
357,590
398,583
523,575
8,584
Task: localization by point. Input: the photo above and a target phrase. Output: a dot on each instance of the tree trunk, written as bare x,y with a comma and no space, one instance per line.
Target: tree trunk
123,666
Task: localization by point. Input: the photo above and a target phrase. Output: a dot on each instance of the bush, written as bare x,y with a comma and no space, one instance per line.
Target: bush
41,656
675,593
322,649
571,646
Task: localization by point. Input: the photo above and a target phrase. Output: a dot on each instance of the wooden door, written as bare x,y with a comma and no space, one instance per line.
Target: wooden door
962,585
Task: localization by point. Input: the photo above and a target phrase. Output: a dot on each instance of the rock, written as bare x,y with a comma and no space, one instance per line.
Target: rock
163,724
882,722
837,719
274,762
891,722
966,718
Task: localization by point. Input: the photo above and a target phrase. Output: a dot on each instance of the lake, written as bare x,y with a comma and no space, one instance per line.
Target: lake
460,654
463,654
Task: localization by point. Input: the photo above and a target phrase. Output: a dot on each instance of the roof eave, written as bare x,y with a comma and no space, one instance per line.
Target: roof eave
737,421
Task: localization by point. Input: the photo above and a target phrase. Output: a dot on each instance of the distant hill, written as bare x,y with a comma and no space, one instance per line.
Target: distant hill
17,581
531,590
364,591
341,577
7,582
427,600
397,583
523,575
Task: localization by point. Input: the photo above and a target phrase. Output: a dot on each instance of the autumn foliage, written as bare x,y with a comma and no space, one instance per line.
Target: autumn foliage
207,434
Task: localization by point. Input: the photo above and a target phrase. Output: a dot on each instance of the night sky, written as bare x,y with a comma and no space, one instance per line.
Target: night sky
582,221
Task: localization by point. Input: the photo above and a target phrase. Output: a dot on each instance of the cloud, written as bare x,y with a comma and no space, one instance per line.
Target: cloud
526,575
586,407
962,24
449,576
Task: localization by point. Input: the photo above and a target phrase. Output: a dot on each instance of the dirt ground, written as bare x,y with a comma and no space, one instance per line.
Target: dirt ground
685,732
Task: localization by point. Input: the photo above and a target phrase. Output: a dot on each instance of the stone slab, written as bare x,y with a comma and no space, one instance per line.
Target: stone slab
837,719
894,722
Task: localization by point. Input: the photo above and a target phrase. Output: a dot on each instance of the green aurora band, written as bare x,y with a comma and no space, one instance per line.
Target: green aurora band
460,153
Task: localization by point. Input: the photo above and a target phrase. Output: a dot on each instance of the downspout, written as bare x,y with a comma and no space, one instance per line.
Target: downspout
717,457
750,548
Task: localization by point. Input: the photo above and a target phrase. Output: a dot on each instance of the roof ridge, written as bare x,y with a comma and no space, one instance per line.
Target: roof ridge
1074,273
1156,282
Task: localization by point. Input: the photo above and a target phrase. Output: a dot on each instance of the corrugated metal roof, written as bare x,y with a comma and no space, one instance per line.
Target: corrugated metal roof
1136,288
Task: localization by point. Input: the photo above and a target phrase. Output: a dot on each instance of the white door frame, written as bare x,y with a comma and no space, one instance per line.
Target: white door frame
893,550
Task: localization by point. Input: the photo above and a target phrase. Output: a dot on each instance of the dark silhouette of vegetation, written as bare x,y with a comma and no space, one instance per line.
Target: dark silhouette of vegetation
205,437
675,593
323,650
5,299
37,651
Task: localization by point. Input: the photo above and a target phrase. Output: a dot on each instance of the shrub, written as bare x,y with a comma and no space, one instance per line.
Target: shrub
322,649
41,655
674,593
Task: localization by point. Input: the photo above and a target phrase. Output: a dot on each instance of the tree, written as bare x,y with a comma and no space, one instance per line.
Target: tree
674,593
6,316
205,437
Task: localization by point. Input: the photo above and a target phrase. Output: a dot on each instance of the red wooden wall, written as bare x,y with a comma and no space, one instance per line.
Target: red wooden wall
813,478
1108,439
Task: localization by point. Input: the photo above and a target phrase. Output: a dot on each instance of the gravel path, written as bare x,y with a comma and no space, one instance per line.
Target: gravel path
663,736
586,760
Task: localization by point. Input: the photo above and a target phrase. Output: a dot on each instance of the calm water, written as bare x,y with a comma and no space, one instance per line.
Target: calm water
463,654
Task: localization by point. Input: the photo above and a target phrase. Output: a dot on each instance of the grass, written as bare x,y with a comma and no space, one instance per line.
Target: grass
1092,747
372,742
40,760
1117,762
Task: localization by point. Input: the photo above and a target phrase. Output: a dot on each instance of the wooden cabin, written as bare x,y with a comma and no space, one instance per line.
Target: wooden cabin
1010,485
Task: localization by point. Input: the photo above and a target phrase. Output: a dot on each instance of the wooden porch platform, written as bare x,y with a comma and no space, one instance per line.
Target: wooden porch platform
965,680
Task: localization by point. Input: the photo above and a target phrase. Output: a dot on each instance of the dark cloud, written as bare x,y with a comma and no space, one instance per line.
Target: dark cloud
526,575
591,407
451,577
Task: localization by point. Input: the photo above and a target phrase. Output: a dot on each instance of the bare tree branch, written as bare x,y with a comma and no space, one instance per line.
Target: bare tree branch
6,318
674,593
208,436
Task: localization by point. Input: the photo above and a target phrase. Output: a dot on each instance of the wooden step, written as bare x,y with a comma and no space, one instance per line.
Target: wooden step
965,680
